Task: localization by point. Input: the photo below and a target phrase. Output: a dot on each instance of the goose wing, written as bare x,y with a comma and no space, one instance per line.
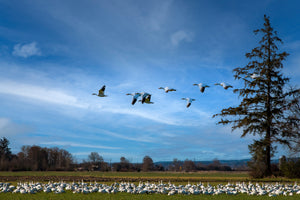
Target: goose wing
144,96
101,91
135,97
226,86
133,100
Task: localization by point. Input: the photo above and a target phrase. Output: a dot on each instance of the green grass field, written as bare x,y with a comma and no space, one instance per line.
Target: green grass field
175,178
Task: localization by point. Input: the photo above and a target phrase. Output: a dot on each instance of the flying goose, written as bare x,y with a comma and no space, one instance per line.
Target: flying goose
101,92
147,100
144,95
189,101
224,85
253,76
201,86
135,96
167,89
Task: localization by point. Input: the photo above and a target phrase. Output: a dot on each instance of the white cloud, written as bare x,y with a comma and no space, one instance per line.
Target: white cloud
126,137
26,50
153,116
159,15
181,36
74,144
110,157
39,93
9,128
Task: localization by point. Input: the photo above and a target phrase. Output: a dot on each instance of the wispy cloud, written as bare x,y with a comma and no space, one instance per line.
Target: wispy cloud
181,36
9,128
126,137
26,50
159,15
49,95
74,144
139,113
111,157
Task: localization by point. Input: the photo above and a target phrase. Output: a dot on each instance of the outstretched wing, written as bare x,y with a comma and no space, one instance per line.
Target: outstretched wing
101,91
133,100
145,95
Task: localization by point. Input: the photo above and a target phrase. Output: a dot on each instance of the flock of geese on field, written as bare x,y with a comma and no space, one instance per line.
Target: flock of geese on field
146,97
257,189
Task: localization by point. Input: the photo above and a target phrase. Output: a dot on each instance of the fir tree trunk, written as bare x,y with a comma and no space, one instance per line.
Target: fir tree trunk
268,153
269,113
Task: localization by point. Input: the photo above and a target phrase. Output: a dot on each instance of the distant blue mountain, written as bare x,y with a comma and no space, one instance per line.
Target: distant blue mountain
231,163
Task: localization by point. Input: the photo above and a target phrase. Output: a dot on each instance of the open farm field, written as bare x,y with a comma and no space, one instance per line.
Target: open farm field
204,176
213,176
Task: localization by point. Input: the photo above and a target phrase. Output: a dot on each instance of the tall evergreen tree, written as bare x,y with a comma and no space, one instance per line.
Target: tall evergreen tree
264,109
5,153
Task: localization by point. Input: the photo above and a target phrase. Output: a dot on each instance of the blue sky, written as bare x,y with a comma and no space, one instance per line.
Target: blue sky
55,54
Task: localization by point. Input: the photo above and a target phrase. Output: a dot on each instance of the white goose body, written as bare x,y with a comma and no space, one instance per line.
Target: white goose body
167,89
189,101
253,76
224,85
201,86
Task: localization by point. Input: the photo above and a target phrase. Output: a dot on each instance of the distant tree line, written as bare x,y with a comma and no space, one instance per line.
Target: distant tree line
36,158
190,166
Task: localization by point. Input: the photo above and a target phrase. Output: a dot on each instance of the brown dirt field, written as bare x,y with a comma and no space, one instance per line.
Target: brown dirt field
105,179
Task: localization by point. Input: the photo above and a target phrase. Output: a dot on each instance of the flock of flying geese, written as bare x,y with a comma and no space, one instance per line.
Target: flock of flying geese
146,97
